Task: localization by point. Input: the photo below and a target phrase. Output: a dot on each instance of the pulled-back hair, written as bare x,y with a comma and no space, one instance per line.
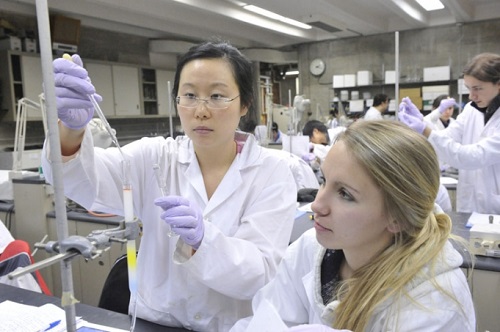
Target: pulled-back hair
405,167
241,67
485,67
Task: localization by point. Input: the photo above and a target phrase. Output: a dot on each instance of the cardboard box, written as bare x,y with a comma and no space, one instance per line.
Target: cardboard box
11,43
344,95
29,45
461,88
411,92
338,81
390,77
364,77
440,73
349,80
356,106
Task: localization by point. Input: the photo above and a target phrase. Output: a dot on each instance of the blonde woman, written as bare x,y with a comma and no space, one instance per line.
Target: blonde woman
379,257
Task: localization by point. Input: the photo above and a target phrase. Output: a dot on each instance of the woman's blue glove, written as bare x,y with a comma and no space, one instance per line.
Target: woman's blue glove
314,328
73,86
409,107
411,121
445,104
184,217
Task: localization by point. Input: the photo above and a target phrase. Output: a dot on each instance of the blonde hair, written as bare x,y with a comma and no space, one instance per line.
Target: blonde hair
405,167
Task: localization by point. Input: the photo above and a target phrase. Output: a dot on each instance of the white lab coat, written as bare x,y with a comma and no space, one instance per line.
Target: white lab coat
302,173
373,114
474,149
433,120
294,296
248,223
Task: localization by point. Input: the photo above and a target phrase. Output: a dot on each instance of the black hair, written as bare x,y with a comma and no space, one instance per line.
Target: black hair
314,124
379,99
437,101
241,67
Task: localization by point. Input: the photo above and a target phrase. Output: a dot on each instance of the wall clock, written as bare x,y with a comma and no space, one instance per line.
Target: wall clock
317,67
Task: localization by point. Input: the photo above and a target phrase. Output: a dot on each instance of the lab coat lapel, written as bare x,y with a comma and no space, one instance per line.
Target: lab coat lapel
231,181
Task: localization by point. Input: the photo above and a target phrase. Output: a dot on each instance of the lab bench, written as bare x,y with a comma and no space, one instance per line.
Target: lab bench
35,220
483,277
88,313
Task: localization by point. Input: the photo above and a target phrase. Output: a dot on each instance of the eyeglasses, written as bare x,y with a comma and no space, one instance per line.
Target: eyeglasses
214,102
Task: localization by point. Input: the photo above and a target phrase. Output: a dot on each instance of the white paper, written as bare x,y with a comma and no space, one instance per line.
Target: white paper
21,317
482,219
305,207
448,180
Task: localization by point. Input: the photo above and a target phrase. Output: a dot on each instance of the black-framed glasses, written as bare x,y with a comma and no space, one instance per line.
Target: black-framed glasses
212,102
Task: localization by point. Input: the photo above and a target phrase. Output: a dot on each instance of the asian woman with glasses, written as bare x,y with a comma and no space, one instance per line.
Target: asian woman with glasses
229,201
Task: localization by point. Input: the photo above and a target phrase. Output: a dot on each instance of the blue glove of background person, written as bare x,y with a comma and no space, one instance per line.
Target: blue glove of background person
445,104
314,328
410,108
73,86
411,121
184,217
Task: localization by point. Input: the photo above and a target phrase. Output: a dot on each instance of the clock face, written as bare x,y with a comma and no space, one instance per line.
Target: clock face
317,67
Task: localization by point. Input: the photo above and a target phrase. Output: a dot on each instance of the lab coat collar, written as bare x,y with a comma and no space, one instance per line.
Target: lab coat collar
249,157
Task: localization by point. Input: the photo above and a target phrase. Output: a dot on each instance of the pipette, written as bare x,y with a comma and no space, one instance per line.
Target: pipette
160,179
128,205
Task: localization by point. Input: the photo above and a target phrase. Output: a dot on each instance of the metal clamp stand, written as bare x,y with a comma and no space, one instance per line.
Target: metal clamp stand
90,247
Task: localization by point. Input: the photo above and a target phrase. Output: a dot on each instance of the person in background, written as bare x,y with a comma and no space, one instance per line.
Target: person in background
380,256
442,112
441,117
470,144
319,140
230,202
379,107
317,132
276,133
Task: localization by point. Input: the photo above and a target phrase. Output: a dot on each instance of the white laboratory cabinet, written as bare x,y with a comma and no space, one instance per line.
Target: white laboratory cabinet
126,90
21,75
102,79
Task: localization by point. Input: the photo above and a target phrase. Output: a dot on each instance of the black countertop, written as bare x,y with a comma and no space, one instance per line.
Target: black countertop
88,313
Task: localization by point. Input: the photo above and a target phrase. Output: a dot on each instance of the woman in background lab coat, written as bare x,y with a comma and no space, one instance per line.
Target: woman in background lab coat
379,256
472,142
230,202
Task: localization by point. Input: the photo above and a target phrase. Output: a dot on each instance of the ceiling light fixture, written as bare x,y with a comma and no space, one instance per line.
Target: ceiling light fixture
292,72
430,5
277,17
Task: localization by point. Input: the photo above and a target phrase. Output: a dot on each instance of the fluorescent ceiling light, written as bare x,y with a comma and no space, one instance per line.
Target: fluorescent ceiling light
292,72
276,17
430,5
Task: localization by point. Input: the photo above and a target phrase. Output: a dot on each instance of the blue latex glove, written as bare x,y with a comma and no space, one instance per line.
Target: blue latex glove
184,217
410,108
445,104
412,121
73,86
314,328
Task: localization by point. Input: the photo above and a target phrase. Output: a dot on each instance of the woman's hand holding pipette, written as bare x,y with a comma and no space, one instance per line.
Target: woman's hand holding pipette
185,218
73,86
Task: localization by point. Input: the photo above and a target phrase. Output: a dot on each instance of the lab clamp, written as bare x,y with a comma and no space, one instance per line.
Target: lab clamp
90,246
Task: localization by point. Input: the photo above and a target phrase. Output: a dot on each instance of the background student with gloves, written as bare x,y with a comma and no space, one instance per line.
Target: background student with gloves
230,202
472,142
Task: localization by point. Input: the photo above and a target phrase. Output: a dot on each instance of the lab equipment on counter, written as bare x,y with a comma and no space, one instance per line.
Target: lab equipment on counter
485,238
